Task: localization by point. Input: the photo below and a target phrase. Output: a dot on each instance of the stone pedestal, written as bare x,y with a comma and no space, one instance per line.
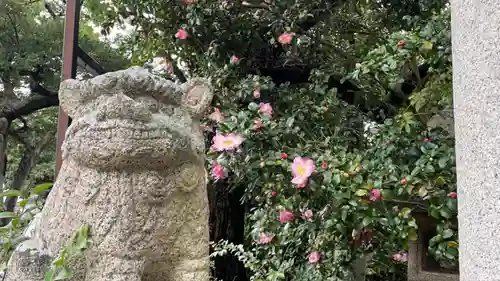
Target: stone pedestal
476,84
421,267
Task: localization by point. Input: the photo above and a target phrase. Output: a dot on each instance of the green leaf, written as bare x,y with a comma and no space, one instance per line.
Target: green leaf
442,162
7,215
387,194
42,187
447,233
445,213
405,212
290,121
422,192
80,241
253,106
49,275
11,193
336,179
65,273
426,46
327,177
23,203
453,251
358,179
343,214
434,212
366,221
361,192
451,204
440,180
430,169
412,235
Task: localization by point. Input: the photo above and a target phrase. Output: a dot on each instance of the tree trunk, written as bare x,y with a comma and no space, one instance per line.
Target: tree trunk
4,126
3,159
227,222
27,162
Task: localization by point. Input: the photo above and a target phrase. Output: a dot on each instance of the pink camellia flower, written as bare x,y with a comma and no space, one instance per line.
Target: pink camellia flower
226,142
235,59
216,116
286,216
314,257
401,257
257,124
187,2
256,93
266,109
375,194
218,172
302,169
324,165
286,38
308,214
181,34
283,156
265,239
452,195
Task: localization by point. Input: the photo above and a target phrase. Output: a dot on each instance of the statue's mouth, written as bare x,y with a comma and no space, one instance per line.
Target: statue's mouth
125,129
125,133
123,143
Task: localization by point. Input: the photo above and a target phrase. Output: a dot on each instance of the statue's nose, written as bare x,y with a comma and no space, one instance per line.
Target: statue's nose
123,107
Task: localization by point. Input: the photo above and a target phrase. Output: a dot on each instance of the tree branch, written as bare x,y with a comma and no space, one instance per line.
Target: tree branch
25,107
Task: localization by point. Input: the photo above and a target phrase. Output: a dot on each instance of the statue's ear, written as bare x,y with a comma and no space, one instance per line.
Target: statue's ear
72,96
197,96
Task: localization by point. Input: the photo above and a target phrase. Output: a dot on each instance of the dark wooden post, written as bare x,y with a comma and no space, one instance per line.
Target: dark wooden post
70,46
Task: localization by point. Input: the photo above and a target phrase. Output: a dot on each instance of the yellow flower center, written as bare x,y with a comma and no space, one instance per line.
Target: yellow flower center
301,171
228,142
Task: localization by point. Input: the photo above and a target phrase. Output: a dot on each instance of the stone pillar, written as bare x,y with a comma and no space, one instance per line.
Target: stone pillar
476,87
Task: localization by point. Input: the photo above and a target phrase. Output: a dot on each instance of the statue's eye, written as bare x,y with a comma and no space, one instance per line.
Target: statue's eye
152,104
167,109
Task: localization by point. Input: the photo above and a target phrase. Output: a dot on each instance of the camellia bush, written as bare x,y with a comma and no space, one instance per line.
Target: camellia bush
323,116
322,202
319,205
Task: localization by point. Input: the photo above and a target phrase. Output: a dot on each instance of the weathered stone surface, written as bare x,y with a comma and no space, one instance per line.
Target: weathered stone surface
476,80
133,171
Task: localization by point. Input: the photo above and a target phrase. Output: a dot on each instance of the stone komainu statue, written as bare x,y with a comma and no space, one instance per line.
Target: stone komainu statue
133,171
